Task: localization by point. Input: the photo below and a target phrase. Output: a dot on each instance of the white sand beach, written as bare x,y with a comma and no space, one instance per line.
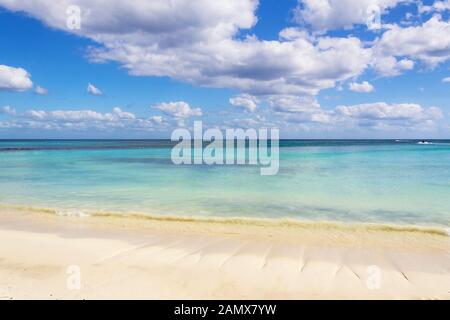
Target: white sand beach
120,258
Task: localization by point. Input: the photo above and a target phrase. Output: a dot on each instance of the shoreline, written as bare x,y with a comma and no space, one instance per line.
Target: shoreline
159,259
236,220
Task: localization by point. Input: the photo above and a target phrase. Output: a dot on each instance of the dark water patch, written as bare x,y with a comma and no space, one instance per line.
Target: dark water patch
33,145
163,161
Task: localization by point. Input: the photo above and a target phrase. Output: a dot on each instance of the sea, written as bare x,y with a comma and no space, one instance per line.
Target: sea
402,182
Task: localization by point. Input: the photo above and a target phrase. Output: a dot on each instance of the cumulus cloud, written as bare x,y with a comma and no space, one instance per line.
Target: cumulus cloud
156,119
389,66
14,79
437,6
196,42
8,110
298,109
246,101
179,109
251,65
295,33
93,90
380,115
167,22
244,123
324,15
294,104
428,43
80,120
361,87
41,91
200,42
80,115
375,114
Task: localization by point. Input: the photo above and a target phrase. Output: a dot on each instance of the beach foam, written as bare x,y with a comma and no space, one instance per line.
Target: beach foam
72,213
243,221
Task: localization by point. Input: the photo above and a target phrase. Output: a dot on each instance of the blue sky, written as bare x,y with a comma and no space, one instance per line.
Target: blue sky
314,69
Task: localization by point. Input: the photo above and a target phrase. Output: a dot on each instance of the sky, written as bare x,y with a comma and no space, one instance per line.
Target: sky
355,69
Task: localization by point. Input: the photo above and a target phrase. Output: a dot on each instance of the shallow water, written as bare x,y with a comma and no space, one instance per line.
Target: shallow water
383,181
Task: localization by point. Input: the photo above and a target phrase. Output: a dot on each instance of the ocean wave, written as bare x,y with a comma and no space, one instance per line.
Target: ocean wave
424,142
243,221
72,213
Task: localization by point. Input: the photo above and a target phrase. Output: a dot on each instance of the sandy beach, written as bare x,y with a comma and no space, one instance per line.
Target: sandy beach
123,258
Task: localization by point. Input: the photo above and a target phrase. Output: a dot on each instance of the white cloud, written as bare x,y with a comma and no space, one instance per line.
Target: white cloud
429,43
246,101
14,79
402,114
390,66
446,79
40,90
179,109
253,66
437,6
196,42
397,49
156,119
306,110
80,120
244,123
380,115
361,87
79,115
294,104
8,110
324,15
298,109
294,34
91,89
199,42
122,114
170,21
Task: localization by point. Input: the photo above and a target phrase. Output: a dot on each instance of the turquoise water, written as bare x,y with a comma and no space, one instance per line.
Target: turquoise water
352,181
